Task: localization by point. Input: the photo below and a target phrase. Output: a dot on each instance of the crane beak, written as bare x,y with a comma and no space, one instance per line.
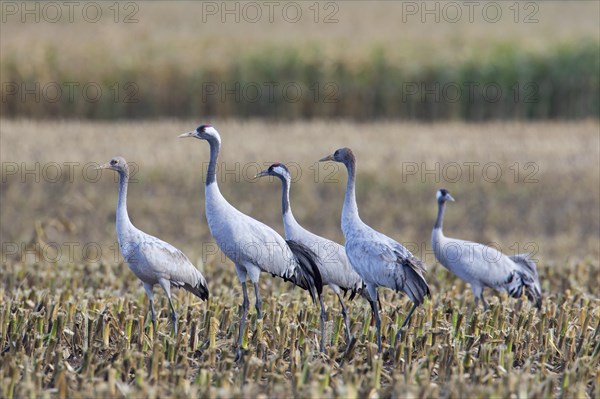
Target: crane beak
262,173
104,166
188,134
327,158
449,198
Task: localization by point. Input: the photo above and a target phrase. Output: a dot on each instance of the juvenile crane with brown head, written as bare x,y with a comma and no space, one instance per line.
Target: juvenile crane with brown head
378,259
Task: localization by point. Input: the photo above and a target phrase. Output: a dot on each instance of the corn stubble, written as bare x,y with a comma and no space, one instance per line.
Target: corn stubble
75,343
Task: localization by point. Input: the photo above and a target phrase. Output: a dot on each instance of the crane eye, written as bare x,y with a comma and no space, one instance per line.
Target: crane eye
113,162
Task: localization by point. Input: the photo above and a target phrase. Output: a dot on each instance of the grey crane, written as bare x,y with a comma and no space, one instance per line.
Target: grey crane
251,245
334,265
378,259
483,266
152,260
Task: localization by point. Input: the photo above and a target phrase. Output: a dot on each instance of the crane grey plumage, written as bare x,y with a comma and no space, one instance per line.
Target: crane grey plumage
483,266
378,259
333,263
252,246
152,260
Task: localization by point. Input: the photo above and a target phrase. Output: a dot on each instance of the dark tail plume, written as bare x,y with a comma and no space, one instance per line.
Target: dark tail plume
531,288
529,277
308,276
200,290
359,290
415,285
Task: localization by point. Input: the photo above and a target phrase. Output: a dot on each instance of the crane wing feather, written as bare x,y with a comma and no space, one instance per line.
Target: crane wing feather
383,264
168,262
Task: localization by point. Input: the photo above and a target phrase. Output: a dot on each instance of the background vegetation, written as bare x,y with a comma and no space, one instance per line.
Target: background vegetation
538,60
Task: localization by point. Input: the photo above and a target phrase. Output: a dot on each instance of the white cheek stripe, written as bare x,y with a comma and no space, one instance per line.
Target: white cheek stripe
280,171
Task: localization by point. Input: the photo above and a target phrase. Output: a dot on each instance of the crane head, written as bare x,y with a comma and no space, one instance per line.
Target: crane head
277,170
118,164
343,155
443,195
203,132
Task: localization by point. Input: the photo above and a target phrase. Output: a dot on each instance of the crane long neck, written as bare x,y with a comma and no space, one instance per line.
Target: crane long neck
440,216
350,209
211,174
285,194
122,215
286,209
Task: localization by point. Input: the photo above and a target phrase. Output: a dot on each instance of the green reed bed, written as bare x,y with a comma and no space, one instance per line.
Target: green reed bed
505,81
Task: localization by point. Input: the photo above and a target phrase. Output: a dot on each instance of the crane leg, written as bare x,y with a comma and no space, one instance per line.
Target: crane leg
166,286
478,294
245,303
345,316
150,295
405,322
173,316
258,304
153,314
485,304
377,323
323,318
410,312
